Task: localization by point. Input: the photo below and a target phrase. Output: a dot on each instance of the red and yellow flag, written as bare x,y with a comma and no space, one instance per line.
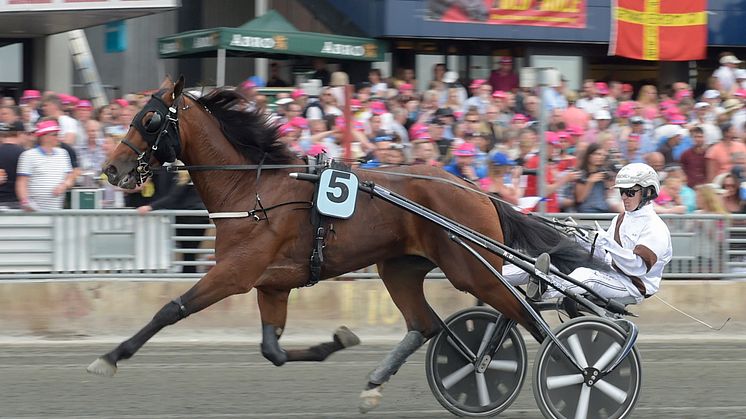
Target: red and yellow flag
659,30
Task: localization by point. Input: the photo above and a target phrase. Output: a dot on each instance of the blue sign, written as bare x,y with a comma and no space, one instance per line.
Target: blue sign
116,36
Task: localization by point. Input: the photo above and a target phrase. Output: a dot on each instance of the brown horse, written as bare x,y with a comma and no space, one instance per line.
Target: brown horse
272,255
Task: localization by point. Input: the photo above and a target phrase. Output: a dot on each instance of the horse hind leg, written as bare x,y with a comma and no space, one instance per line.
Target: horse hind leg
273,309
403,278
207,291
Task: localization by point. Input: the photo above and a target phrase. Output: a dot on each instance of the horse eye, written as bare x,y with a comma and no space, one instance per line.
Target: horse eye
154,123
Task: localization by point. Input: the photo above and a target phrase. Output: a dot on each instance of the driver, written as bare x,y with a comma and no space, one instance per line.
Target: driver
637,246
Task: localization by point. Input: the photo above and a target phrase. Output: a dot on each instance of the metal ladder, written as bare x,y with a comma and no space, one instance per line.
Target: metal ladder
85,63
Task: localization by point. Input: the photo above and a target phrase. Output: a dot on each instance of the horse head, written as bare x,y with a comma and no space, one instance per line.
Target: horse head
152,138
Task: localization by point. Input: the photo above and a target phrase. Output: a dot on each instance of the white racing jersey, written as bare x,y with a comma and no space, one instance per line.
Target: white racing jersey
639,245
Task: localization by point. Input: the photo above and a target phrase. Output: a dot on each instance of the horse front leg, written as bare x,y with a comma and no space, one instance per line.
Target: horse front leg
213,287
273,310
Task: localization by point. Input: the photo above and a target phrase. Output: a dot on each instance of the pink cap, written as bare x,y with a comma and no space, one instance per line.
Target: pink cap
298,93
465,150
355,104
316,149
681,94
563,135
627,88
499,94
287,129
47,127
551,137
477,83
30,95
602,88
740,93
299,122
122,102
649,113
458,114
378,108
417,129
575,130
678,119
519,117
625,110
84,104
248,84
405,86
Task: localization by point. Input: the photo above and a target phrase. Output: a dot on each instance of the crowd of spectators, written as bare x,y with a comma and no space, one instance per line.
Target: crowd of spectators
485,130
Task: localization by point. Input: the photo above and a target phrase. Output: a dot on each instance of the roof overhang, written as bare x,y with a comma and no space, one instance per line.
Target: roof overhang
26,19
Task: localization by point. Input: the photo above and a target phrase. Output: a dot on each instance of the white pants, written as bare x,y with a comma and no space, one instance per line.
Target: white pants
607,284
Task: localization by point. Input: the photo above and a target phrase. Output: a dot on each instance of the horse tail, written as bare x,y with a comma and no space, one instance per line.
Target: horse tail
533,237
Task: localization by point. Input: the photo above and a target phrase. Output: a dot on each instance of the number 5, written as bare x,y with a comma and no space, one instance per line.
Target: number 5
334,183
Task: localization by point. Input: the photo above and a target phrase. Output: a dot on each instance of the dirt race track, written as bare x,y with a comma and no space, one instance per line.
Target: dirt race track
682,378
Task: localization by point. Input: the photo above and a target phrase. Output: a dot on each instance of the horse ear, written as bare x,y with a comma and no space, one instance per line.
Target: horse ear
178,88
167,82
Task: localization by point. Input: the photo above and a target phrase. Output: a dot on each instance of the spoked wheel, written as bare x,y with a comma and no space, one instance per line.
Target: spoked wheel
560,389
454,379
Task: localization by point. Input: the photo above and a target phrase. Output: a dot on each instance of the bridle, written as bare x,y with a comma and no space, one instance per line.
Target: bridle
164,124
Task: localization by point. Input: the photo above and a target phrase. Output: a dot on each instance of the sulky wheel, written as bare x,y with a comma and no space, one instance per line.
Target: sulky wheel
453,378
560,389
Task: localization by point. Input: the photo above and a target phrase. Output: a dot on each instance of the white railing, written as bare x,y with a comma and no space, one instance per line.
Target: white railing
117,243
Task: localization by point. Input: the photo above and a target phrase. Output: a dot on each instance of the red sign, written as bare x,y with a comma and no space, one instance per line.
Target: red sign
659,30
556,13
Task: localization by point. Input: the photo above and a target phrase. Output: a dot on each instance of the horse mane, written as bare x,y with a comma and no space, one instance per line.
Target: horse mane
249,131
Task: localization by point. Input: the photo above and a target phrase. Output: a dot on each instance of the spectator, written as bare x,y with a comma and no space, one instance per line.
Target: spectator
720,156
275,79
554,181
657,162
424,151
726,73
378,87
574,116
504,78
693,161
464,165
178,193
320,72
44,172
647,98
590,188
671,137
669,199
731,199
10,151
387,152
504,178
52,107
591,102
687,194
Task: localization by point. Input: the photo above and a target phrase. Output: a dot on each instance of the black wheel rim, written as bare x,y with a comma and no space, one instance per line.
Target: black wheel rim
460,386
562,391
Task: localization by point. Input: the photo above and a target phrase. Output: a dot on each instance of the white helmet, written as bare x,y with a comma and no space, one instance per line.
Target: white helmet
638,174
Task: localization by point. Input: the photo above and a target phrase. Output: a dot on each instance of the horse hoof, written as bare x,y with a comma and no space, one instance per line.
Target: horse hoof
370,399
345,336
102,367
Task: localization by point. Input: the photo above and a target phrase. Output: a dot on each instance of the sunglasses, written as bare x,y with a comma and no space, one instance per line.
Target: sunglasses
630,192
472,120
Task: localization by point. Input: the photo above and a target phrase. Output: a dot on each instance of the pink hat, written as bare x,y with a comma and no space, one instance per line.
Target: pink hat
627,88
47,127
84,104
30,95
669,103
286,129
355,104
499,94
316,149
405,86
551,137
458,114
649,113
519,117
576,130
602,88
299,122
563,135
465,150
417,129
668,113
378,108
625,110
122,102
248,84
740,93
477,83
681,94
298,93
678,119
